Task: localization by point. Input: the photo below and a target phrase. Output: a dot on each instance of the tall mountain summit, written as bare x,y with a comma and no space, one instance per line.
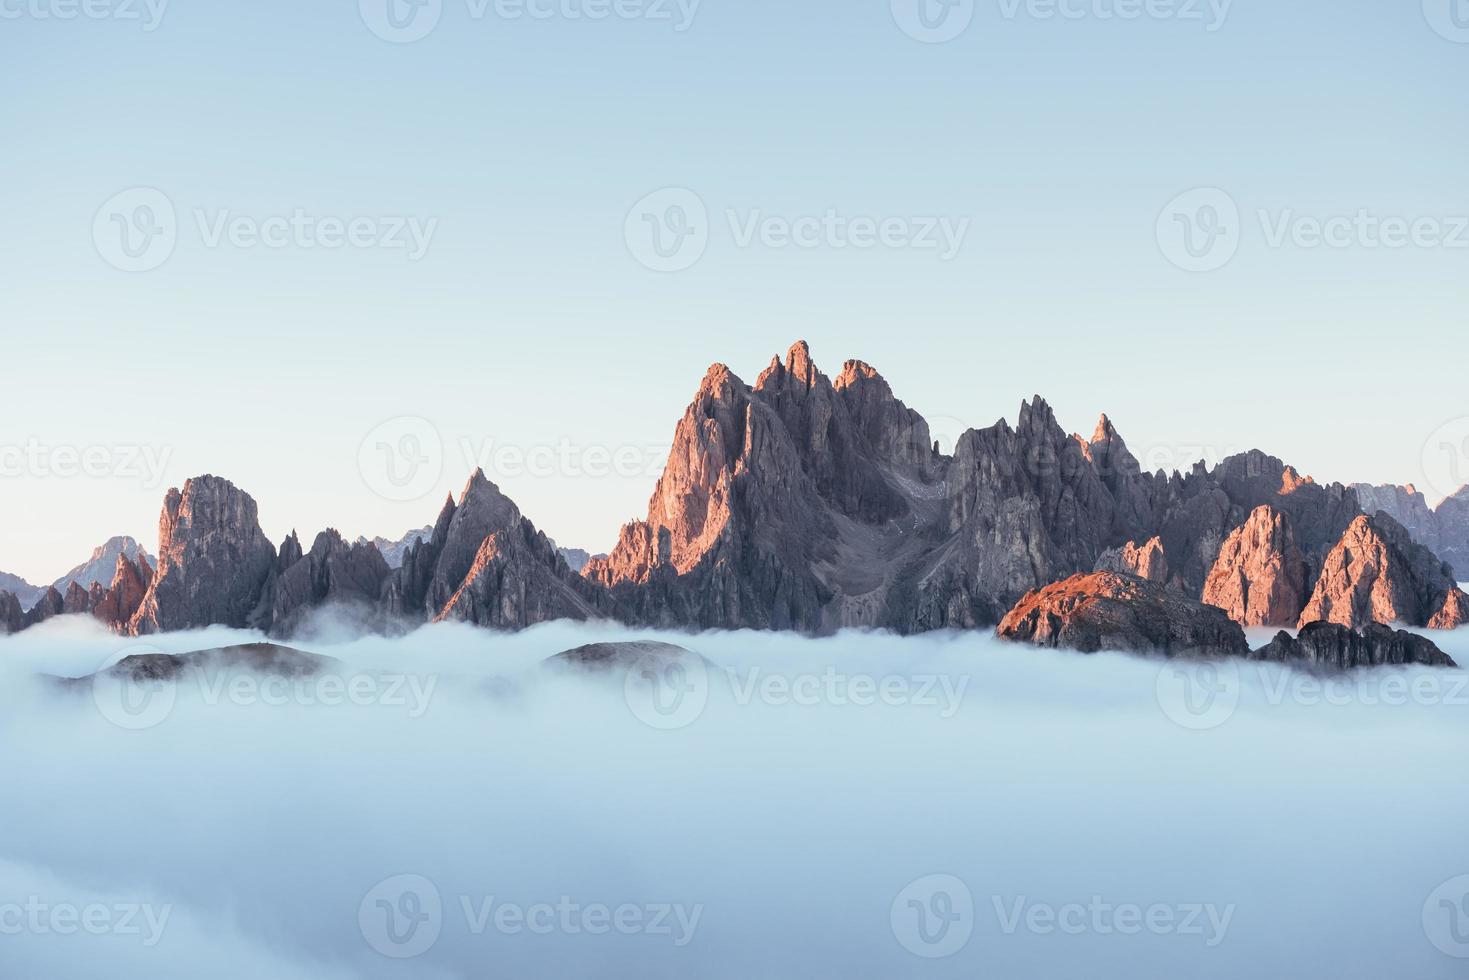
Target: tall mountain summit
809,503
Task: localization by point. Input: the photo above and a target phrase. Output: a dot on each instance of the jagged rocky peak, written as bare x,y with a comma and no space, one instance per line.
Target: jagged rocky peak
1261,577
518,579
897,433
1107,611
1337,647
1377,573
333,572
124,595
1145,561
213,559
103,562
51,604
481,511
12,616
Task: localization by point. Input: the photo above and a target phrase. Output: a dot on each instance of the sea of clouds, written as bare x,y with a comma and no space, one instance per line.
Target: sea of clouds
857,806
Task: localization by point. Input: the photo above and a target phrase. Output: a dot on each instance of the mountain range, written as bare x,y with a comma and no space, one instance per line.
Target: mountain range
809,503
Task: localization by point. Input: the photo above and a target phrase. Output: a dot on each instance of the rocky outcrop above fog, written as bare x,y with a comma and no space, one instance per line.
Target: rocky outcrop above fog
1108,611
333,573
1261,577
485,563
1331,645
213,560
1377,573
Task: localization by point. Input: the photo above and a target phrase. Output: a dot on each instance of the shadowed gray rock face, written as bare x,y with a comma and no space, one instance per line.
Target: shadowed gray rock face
332,573
606,657
213,560
1107,611
1334,646
12,617
25,593
487,564
261,658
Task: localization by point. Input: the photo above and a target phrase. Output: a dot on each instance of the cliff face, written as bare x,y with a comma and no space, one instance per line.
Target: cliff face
783,506
1146,561
1377,573
1452,520
1443,530
485,563
1260,578
213,560
332,573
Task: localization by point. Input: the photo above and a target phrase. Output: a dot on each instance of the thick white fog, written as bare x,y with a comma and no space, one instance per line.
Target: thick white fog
860,806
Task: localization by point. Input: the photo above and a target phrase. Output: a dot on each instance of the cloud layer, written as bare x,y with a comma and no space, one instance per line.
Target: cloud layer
848,806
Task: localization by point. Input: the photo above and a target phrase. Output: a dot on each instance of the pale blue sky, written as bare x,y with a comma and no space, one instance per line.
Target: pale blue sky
529,322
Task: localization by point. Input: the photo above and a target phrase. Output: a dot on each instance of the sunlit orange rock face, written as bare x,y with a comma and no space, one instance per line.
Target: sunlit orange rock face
1377,573
1145,561
129,584
1260,578
1108,611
